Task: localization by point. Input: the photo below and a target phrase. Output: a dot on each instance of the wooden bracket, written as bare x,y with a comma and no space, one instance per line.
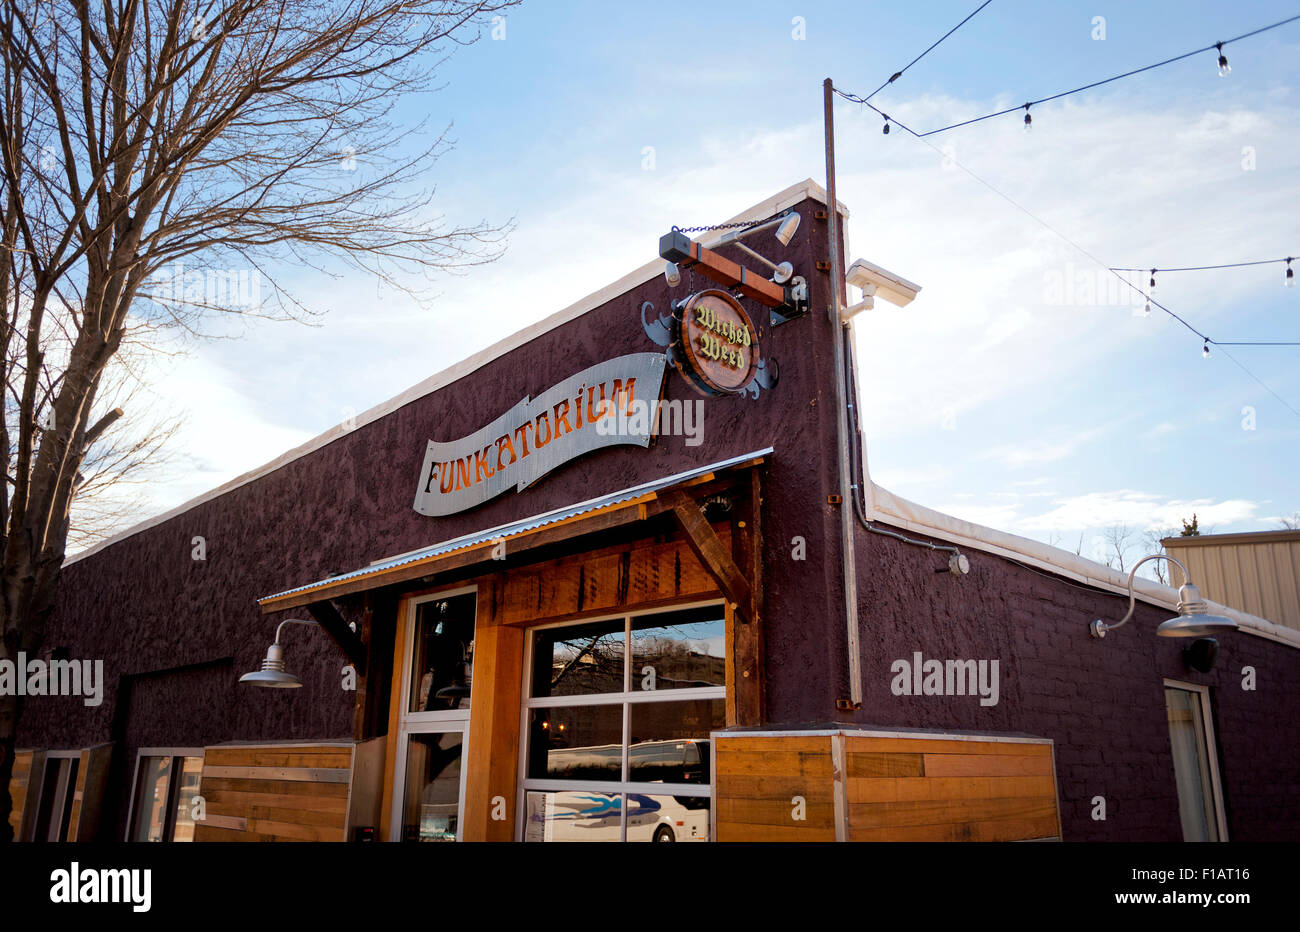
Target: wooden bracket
681,249
328,617
709,550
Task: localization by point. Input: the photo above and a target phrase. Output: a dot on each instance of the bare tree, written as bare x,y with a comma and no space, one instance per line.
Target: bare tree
1152,539
148,145
1290,524
1116,539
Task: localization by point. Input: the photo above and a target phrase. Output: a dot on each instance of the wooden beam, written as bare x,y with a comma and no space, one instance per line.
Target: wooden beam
710,550
681,249
328,617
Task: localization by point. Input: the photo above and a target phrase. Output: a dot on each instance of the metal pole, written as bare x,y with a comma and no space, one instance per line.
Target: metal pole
841,423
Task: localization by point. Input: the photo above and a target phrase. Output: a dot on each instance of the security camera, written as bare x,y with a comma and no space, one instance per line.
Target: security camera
893,288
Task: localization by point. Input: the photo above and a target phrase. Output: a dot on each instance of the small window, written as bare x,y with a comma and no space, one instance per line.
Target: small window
166,783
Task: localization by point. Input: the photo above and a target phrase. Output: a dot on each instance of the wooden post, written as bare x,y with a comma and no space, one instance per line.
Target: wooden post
746,635
493,750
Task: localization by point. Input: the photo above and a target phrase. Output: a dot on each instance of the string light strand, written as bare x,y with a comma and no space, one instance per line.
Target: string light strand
1215,46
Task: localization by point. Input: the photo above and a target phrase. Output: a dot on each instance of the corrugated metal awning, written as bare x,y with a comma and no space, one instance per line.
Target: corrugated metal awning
489,538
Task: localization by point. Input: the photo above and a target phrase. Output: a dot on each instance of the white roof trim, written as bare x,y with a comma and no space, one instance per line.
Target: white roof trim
902,513
778,202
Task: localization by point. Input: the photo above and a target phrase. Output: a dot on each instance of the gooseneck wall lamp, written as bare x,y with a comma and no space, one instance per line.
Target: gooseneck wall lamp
1194,618
272,673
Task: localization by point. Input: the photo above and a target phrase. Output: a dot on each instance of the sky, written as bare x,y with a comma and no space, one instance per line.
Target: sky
1022,389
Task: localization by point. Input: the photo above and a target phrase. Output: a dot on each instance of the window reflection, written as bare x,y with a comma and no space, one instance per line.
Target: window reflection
576,743
579,660
573,816
443,662
576,815
432,805
151,799
667,818
682,650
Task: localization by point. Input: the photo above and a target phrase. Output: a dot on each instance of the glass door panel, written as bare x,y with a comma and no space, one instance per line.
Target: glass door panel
431,809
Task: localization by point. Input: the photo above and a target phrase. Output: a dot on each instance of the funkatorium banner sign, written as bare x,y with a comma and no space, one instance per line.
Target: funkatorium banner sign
587,411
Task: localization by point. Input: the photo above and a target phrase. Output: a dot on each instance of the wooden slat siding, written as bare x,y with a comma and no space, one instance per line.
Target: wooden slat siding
863,764
772,787
941,746
956,791
330,757
1001,830
948,812
493,749
908,789
297,793
895,788
18,785
756,780
779,812
987,765
231,800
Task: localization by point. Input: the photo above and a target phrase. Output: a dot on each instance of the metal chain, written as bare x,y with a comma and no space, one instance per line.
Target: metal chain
727,226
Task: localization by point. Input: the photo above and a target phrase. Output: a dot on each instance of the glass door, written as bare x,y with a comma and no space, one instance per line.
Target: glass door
438,672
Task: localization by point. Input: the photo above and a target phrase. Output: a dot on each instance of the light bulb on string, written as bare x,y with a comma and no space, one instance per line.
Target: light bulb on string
1029,121
886,129
1152,283
1205,350
1289,281
1146,312
1224,68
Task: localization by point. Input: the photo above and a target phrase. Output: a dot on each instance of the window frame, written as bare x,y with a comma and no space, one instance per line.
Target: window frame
67,782
1211,749
173,789
627,698
441,722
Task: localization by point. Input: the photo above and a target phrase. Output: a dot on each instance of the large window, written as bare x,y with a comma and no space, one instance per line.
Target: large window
166,782
1196,768
438,676
617,725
